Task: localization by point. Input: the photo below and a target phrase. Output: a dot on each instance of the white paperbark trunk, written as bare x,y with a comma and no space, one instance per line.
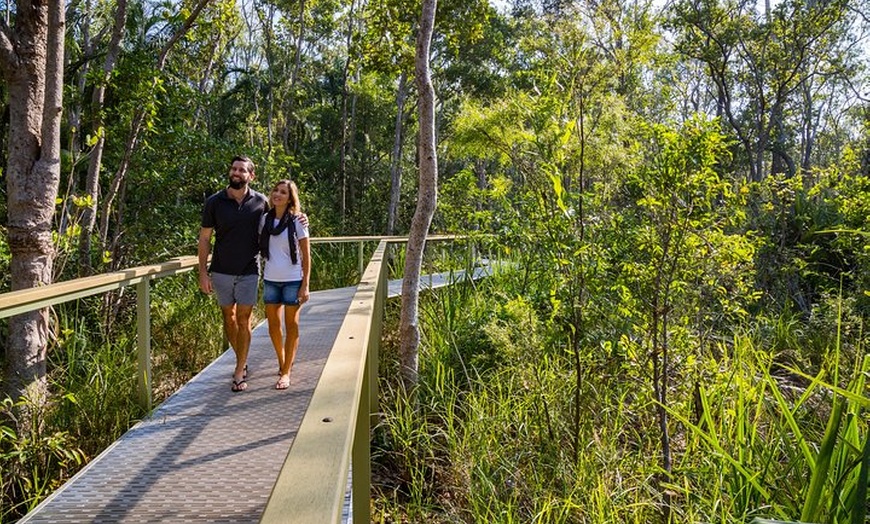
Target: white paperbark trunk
427,194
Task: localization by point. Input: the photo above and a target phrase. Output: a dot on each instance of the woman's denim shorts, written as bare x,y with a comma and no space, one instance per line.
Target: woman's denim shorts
286,293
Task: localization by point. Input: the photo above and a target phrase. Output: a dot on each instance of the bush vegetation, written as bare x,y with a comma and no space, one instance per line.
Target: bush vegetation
677,330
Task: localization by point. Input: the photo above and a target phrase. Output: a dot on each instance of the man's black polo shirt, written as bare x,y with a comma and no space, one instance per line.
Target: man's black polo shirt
235,227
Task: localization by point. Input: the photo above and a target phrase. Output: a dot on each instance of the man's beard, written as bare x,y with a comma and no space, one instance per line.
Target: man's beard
235,183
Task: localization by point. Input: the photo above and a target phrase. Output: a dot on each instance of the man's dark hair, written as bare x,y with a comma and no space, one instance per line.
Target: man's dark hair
246,160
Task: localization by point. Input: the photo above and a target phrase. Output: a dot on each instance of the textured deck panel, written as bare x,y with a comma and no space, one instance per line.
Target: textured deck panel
207,454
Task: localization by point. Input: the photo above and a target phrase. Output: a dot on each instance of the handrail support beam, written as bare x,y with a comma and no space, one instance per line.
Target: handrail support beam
143,342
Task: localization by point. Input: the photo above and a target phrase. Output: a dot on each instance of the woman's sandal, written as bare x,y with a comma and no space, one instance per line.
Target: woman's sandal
283,383
240,385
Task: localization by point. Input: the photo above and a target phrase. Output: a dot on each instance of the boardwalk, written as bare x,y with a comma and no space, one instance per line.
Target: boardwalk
207,454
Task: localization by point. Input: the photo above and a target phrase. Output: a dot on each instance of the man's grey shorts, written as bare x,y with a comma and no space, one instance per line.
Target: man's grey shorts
235,289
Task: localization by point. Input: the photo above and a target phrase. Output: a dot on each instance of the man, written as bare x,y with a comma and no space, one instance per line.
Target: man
233,215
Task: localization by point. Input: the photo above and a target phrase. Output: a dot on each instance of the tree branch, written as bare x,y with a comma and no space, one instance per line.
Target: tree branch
8,57
188,23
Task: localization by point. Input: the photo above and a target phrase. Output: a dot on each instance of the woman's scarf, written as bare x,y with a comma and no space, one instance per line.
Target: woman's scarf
269,229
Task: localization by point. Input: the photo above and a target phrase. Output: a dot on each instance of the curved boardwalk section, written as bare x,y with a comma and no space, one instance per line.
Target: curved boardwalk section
207,454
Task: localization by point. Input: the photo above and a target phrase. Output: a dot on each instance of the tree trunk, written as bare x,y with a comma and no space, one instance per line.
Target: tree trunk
809,127
136,128
290,119
427,195
267,21
357,187
74,110
92,184
396,164
31,57
344,152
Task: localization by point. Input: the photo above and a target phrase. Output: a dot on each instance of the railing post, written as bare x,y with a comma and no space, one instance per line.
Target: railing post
143,332
360,259
375,339
366,416
361,471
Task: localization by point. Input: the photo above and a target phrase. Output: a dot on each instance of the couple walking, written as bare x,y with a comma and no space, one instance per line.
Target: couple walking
245,224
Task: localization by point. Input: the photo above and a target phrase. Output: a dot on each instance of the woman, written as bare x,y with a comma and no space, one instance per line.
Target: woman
285,248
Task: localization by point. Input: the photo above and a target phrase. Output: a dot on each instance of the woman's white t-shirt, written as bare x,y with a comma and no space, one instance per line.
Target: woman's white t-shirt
279,267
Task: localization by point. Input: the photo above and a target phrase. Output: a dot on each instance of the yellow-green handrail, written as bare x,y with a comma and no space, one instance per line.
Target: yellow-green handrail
336,427
24,300
313,480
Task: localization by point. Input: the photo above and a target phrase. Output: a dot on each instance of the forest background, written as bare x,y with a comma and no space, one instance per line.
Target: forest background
682,191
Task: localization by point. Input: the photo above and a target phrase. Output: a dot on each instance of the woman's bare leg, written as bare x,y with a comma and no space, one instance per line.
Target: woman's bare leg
291,339
273,315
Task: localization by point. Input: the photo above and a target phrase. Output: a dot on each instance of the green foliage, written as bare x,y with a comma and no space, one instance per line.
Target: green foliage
95,377
92,372
772,58
337,265
683,240
810,240
5,259
186,333
625,235
33,463
464,206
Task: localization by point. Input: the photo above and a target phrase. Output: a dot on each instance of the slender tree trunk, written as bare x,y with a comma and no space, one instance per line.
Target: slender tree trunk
290,136
480,173
579,278
426,199
92,186
344,151
136,127
75,110
396,163
267,21
865,155
31,57
810,126
663,414
778,164
357,187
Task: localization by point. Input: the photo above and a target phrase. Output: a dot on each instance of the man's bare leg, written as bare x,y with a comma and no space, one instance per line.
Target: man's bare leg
237,327
230,326
243,337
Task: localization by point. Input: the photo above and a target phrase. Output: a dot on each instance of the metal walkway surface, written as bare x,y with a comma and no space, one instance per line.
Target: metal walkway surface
207,454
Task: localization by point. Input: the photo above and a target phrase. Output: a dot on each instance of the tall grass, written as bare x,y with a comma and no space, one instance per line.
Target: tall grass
491,437
186,333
